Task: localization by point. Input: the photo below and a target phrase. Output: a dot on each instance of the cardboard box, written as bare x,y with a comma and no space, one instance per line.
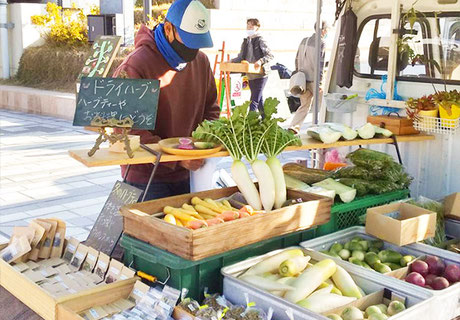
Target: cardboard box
452,206
400,223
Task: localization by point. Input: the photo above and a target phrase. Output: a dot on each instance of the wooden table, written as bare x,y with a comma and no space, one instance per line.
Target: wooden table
104,157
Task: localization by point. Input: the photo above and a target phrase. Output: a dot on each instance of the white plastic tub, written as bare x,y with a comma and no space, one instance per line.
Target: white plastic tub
448,298
419,303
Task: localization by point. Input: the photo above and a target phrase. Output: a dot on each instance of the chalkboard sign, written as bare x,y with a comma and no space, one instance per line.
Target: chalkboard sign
100,59
118,98
109,225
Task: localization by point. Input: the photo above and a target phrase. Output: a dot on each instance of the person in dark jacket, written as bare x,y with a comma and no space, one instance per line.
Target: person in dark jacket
305,62
255,50
188,95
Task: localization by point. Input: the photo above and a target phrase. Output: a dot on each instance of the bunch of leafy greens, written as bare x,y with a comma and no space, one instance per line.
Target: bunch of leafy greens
246,134
277,138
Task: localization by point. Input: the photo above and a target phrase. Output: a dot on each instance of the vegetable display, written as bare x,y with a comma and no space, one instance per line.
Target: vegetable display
331,132
204,213
369,254
432,273
374,173
319,287
373,312
245,134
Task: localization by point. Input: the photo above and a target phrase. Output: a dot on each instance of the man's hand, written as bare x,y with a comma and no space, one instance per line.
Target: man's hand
257,64
192,165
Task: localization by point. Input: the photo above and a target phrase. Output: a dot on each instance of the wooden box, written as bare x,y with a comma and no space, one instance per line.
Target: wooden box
398,125
70,309
39,300
239,67
141,222
452,206
400,223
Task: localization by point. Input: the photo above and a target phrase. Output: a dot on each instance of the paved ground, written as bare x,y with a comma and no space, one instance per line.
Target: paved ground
39,179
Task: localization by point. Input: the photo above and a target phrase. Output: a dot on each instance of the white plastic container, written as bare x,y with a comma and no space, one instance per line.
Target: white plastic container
419,303
448,298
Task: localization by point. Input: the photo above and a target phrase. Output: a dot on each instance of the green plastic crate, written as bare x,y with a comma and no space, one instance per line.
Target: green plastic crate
345,215
197,275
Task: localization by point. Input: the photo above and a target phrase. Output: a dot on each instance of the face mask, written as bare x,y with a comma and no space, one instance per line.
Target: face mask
251,32
182,50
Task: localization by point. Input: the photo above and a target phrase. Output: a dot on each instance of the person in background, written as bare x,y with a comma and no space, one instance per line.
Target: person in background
188,95
305,62
255,50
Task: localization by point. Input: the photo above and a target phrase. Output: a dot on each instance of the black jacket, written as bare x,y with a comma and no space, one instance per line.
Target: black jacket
260,50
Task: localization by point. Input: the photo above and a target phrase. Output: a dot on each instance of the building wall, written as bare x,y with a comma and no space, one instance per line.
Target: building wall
24,34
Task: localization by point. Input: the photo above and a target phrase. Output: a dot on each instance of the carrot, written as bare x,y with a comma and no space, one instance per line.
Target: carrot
333,165
188,207
178,213
244,214
179,223
258,212
214,221
196,224
229,215
247,209
204,210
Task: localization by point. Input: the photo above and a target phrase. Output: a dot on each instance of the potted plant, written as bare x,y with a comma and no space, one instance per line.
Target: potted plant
419,109
449,107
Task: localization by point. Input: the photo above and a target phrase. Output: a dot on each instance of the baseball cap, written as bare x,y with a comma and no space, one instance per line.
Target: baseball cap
192,21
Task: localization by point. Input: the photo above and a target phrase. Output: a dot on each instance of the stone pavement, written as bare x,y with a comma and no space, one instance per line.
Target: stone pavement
38,178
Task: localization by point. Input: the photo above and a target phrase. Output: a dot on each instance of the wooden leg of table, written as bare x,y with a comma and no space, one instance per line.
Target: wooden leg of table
227,93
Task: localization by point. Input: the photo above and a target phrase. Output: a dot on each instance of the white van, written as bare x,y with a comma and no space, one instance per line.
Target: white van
435,164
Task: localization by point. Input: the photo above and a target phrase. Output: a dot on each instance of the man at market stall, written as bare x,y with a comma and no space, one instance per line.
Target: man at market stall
305,62
188,95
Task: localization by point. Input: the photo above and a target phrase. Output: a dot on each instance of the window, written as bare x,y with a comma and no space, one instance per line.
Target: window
434,40
372,51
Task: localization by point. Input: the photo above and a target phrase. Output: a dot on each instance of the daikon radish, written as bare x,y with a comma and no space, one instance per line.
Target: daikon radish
310,280
345,283
324,302
266,184
266,284
293,266
272,263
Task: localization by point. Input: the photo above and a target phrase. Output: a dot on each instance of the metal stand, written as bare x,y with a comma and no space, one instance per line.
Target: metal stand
395,143
155,166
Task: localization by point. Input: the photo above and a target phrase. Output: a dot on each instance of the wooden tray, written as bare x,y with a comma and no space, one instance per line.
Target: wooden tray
170,146
69,310
39,300
239,67
140,223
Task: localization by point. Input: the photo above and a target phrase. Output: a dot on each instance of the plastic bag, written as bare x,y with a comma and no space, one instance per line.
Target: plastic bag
334,156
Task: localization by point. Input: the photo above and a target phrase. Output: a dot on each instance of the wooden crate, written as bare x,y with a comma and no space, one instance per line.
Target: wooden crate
239,67
397,125
69,310
39,300
142,222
